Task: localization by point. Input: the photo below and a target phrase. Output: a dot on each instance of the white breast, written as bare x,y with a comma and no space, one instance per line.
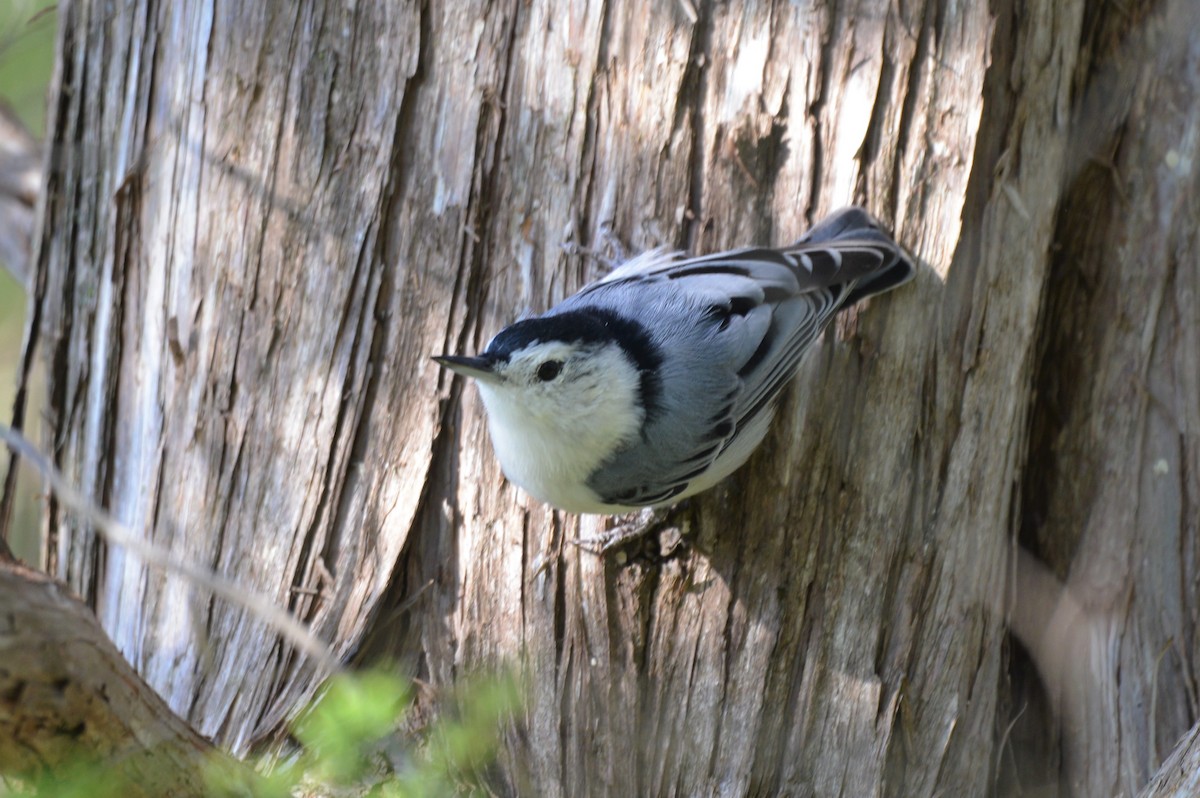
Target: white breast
549,443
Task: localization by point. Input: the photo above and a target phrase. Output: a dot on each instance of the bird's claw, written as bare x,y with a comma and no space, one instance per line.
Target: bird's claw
612,540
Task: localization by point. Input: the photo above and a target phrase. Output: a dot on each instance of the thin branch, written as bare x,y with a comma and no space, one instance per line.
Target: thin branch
118,534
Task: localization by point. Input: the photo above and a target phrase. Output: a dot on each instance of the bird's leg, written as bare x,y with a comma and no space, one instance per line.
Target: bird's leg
633,528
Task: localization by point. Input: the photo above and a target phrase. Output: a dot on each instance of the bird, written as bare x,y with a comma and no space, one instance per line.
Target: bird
659,380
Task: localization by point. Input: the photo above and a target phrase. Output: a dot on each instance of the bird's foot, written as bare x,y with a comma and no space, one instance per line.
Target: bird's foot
639,528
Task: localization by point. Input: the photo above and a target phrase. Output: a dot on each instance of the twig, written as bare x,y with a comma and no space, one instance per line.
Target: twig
118,534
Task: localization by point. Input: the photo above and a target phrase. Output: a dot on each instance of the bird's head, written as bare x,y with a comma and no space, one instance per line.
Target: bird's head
562,393
546,380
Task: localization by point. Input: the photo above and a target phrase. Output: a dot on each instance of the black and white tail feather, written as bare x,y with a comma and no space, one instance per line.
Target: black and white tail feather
710,342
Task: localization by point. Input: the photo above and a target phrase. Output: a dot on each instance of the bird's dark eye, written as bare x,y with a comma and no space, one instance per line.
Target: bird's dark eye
549,370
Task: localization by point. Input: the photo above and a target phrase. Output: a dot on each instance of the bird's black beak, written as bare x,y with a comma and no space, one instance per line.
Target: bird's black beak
478,367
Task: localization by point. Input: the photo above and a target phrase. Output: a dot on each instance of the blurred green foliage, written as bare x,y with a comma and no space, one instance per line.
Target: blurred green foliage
27,30
355,740
349,740
27,36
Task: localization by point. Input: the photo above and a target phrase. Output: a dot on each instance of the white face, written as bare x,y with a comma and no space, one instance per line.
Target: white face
555,378
556,411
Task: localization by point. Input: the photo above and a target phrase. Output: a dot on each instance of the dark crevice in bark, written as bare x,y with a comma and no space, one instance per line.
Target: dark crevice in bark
613,618
558,533
1061,376
400,591
422,561
825,75
221,517
344,485
127,258
868,152
693,93
1057,472
72,92
490,147
787,658
908,110
564,675
732,571
402,606
1030,757
943,415
951,361
1110,33
584,233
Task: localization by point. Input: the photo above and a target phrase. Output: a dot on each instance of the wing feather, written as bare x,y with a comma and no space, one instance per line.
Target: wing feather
754,311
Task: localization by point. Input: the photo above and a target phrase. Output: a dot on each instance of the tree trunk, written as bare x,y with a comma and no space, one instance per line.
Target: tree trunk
67,699
1112,489
261,219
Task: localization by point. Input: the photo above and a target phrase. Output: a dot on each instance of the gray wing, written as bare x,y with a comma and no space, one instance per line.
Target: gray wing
739,323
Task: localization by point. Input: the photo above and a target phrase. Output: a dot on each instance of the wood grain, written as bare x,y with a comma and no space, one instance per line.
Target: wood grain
265,219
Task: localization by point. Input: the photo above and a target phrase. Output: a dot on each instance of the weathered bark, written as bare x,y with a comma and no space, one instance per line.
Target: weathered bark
264,218
1179,776
221,186
68,697
1113,488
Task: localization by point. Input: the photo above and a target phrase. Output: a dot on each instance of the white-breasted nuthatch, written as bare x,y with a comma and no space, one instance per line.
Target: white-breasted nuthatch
659,380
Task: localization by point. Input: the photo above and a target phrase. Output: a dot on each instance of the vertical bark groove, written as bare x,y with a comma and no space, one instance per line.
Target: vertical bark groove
292,212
